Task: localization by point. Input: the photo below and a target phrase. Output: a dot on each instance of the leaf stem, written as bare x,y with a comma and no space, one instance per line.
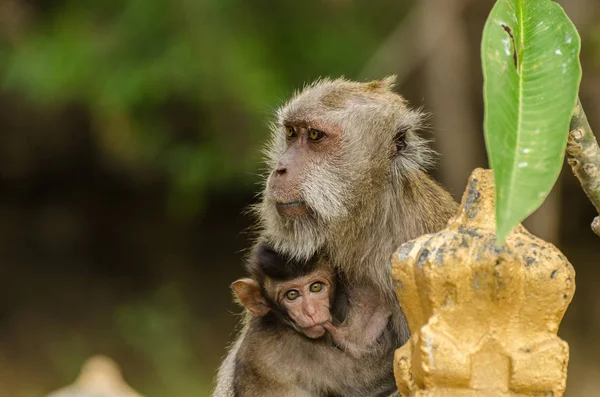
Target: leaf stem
583,155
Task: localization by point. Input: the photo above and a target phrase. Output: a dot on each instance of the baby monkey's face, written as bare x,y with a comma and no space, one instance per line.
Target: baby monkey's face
307,300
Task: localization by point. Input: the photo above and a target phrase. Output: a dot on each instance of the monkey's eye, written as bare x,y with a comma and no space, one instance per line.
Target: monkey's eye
315,135
290,132
316,287
292,295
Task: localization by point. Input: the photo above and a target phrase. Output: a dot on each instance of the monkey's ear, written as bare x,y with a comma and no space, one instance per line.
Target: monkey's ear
249,294
400,139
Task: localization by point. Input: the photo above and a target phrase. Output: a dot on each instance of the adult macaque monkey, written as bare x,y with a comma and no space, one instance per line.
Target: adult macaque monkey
286,349
347,179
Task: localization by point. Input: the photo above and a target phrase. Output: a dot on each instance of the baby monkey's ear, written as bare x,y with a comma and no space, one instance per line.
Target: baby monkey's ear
249,294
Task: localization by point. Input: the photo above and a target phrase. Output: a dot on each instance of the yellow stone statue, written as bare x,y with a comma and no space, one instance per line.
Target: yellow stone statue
484,318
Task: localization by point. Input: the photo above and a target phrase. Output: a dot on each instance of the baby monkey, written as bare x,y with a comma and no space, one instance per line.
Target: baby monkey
301,340
304,302
308,301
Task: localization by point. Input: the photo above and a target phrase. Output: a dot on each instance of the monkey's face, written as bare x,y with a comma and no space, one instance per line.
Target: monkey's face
302,303
333,150
296,183
307,302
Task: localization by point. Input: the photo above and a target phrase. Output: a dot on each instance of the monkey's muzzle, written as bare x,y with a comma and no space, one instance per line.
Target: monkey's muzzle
314,332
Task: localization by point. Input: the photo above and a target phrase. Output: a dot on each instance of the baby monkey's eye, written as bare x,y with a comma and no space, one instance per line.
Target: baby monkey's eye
292,295
315,135
290,132
316,287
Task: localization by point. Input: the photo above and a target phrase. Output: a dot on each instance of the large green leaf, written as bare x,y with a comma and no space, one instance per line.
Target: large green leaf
531,69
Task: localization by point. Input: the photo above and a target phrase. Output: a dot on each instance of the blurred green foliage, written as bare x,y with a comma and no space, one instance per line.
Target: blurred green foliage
182,92
184,89
160,330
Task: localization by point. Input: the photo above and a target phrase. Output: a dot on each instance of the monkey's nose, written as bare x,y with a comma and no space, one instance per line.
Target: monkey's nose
280,170
310,310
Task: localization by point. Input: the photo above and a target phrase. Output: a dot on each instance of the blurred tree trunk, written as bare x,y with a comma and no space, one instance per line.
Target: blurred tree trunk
14,19
545,222
415,52
581,12
459,137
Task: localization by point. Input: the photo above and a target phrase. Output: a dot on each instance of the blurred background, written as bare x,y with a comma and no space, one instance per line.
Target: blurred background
130,135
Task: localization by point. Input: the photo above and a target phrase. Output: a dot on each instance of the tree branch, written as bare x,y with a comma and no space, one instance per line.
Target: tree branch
583,155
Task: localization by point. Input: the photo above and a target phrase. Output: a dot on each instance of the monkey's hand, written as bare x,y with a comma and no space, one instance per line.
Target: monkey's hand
334,331
341,339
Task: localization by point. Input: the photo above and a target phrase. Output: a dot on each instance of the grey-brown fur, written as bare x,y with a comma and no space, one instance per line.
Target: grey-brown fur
365,200
276,361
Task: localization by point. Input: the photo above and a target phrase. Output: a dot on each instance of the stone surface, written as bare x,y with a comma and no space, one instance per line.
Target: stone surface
483,318
100,377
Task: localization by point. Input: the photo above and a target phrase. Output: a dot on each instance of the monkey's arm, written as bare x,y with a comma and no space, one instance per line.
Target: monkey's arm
263,385
243,383
254,367
226,374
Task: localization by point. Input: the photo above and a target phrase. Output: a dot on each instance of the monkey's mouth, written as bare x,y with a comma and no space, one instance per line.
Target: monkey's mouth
291,209
315,331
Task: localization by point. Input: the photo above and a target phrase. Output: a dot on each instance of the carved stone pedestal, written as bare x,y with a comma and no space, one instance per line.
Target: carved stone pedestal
483,318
